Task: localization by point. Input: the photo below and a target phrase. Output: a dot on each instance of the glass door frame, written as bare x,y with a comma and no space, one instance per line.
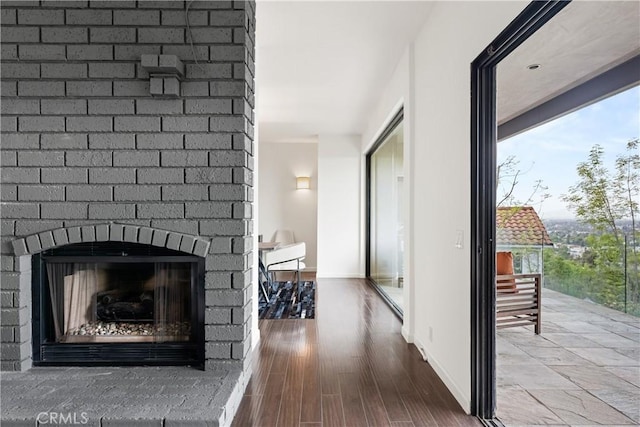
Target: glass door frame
389,129
484,132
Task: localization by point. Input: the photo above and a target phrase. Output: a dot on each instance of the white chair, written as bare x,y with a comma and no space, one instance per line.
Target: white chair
283,236
286,258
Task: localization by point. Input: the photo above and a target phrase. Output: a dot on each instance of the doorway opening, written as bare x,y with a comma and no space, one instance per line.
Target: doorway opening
584,349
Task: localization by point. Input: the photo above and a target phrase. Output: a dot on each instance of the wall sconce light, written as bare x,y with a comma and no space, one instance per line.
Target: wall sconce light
303,183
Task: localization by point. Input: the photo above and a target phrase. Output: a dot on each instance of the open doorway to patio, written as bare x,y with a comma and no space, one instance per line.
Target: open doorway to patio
556,225
580,73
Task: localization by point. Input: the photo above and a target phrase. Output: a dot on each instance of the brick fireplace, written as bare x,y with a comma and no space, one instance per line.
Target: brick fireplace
90,156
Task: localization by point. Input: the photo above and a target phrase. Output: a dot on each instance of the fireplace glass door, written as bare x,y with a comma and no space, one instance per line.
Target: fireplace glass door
120,302
117,303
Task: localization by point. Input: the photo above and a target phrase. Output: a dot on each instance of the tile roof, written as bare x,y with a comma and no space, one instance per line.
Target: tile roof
520,225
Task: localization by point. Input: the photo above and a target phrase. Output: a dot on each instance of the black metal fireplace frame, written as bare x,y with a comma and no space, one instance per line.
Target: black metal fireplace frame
46,352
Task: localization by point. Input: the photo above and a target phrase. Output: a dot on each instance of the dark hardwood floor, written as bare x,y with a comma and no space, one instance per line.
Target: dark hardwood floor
348,367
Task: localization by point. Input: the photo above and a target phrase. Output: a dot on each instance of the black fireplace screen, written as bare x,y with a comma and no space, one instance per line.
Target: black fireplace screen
120,302
117,303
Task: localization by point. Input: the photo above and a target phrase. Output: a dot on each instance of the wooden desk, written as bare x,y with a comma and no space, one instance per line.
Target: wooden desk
267,246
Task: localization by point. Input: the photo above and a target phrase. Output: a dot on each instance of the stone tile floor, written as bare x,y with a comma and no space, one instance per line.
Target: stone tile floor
122,397
583,369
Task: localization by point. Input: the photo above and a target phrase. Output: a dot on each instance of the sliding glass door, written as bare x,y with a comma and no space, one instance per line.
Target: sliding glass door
385,166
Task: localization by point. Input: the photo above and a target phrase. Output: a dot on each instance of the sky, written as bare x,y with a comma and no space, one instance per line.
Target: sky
552,151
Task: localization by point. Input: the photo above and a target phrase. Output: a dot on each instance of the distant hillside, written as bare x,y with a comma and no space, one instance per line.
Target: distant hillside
573,232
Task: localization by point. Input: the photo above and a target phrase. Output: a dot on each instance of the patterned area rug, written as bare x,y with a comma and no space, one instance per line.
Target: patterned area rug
286,301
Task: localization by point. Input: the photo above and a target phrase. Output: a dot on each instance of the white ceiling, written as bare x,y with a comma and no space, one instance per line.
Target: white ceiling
321,65
584,39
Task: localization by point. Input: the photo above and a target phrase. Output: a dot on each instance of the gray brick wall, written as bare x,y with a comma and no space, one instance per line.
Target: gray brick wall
85,146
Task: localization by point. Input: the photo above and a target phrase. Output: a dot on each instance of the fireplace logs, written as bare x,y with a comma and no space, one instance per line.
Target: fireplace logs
122,306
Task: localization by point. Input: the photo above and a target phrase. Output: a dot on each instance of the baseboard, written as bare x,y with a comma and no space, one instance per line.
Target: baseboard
256,341
309,269
406,335
464,402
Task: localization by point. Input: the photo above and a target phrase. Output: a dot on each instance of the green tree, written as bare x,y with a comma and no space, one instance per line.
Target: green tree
603,199
567,276
607,269
627,190
592,199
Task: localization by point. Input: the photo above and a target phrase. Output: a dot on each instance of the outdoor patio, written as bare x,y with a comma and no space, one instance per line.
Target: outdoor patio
583,369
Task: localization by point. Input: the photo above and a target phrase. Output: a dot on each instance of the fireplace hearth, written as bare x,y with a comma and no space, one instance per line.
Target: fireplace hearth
115,303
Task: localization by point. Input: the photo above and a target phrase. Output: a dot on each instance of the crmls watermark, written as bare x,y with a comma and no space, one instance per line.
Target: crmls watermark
62,418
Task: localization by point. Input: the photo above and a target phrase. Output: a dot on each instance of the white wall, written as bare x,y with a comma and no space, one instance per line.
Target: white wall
453,36
255,277
339,226
281,205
